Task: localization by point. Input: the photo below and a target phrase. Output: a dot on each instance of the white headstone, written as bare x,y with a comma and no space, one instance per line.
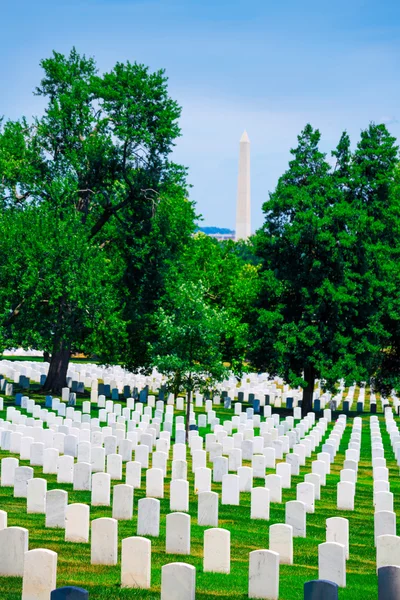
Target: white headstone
13,547
104,542
259,503
142,455
384,523
40,574
319,467
155,483
56,505
295,515
8,466
122,508
230,490
101,484
305,492
284,470
315,479
264,574
281,541
220,468
207,511
178,533
345,495
82,477
136,563
332,563
337,530
217,551
274,484
36,496
178,582
50,461
179,469
65,469
3,520
202,480
98,459
387,551
114,466
21,477
179,495
134,474
383,501
77,518
148,520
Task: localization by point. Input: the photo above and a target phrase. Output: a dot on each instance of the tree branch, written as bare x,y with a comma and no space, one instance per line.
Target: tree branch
15,312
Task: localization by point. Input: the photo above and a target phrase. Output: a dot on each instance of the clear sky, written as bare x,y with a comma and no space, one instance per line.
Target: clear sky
265,66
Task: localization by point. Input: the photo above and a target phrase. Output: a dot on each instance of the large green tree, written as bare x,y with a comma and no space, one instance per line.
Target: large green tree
60,285
374,192
320,310
229,283
188,347
201,333
101,149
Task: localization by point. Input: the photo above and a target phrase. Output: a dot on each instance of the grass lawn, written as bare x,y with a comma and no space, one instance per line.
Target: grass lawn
103,583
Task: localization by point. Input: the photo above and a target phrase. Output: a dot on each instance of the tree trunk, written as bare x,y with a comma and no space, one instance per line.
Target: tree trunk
189,400
57,376
176,386
309,376
46,356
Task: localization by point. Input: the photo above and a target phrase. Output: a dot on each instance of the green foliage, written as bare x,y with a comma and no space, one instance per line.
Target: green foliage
189,335
149,261
101,151
230,284
200,324
327,248
57,284
104,140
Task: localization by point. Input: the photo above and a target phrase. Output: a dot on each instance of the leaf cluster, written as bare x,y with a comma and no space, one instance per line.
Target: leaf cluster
329,247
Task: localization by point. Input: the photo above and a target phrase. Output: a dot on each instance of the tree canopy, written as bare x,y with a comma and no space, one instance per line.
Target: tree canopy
324,247
59,284
101,150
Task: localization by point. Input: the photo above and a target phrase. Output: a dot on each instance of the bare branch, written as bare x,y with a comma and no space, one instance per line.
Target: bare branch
85,191
15,312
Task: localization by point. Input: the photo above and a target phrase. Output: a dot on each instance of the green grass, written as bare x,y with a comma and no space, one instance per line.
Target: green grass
103,583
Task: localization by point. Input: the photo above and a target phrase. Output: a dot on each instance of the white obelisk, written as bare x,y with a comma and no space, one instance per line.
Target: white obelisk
243,215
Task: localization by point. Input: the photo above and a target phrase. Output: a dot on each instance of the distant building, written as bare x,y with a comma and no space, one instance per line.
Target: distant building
222,236
219,233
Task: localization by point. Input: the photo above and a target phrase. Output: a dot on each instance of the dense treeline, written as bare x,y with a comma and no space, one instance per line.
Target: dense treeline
100,250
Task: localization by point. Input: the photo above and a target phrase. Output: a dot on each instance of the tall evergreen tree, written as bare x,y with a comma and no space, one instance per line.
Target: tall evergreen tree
375,196
320,312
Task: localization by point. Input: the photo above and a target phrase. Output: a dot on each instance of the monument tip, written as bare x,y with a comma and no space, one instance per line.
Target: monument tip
245,137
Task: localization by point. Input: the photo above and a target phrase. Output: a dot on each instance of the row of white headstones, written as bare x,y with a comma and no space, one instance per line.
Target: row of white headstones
75,518
386,541
116,377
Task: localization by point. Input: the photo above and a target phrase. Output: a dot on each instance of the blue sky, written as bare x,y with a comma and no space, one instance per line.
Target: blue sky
265,66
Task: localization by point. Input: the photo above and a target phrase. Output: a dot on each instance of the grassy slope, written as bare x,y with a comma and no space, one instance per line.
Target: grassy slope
103,582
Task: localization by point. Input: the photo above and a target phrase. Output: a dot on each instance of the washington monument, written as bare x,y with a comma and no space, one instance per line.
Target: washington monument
243,215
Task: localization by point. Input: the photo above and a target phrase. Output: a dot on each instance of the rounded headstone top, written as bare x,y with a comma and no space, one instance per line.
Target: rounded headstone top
69,593
321,589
